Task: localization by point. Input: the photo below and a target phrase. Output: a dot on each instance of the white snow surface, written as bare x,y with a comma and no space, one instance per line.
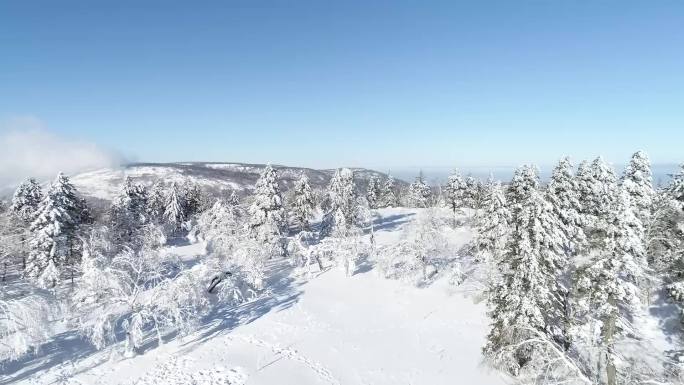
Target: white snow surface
327,329
106,183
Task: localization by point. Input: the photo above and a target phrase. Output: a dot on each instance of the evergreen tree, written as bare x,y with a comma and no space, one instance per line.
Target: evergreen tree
129,212
53,243
233,199
374,193
389,196
494,226
525,181
419,193
585,181
598,201
637,181
156,205
303,203
267,214
610,280
676,187
564,195
525,306
192,199
454,192
26,200
342,214
470,192
174,210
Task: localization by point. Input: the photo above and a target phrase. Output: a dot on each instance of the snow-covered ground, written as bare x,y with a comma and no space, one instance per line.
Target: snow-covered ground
324,329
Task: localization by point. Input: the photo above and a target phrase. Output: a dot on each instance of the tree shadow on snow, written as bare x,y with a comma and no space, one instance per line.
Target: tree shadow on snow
63,349
391,222
668,315
363,266
69,348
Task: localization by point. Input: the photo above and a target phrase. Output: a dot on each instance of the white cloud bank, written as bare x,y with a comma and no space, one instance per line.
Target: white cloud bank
28,148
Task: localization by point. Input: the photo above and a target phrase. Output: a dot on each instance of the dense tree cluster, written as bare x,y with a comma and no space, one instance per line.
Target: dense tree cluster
575,262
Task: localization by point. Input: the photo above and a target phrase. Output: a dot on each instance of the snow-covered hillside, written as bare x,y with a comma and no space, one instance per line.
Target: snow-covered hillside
321,329
217,177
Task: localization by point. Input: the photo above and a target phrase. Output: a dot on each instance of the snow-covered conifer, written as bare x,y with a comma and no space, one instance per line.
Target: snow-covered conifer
637,181
525,181
419,193
388,193
610,281
192,199
470,192
342,206
374,192
129,212
598,192
676,187
54,232
585,181
174,211
524,306
494,224
303,204
26,200
453,192
563,193
156,205
233,199
267,215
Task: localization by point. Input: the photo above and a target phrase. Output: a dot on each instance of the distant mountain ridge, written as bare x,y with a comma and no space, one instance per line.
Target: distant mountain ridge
216,177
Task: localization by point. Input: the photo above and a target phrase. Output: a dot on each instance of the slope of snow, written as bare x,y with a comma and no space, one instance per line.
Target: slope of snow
218,177
327,329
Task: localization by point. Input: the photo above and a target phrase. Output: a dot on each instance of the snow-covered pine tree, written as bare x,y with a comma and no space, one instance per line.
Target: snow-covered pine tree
610,281
388,194
665,238
26,200
342,206
303,204
22,211
174,210
470,192
54,232
419,193
525,306
638,182
585,181
676,187
233,199
525,181
129,212
494,224
563,193
600,190
267,215
192,199
157,203
373,193
453,192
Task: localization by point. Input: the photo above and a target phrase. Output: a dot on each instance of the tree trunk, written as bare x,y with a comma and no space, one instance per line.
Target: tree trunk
608,338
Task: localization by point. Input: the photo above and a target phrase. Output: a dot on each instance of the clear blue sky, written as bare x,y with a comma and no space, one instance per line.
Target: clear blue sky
379,84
